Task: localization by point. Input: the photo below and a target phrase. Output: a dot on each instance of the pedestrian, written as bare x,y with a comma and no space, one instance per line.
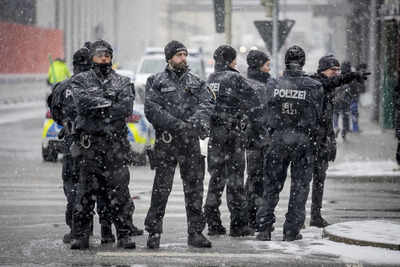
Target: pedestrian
342,103
58,71
103,101
294,110
178,104
357,88
396,101
258,75
226,146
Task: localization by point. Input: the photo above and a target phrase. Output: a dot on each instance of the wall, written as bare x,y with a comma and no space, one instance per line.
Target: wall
25,49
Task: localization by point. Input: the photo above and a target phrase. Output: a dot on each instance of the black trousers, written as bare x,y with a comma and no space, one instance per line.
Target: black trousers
277,160
104,174
70,177
254,183
184,151
318,181
226,164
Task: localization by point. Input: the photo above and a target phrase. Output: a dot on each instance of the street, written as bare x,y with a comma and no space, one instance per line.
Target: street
32,214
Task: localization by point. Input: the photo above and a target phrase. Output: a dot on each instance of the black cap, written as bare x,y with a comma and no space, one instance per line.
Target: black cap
345,67
295,55
225,54
100,45
256,59
327,62
81,57
172,48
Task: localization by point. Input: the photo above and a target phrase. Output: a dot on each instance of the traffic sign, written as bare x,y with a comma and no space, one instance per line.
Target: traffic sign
264,27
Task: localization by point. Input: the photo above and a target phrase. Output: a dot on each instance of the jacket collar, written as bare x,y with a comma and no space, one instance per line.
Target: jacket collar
293,70
258,75
223,67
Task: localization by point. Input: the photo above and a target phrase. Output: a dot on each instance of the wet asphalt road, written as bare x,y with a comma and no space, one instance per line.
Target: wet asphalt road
32,216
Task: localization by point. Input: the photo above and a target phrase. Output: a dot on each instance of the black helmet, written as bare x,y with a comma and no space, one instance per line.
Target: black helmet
81,57
100,45
225,54
295,55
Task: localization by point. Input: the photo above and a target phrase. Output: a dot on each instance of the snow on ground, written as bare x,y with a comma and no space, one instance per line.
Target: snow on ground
364,168
377,231
22,111
313,245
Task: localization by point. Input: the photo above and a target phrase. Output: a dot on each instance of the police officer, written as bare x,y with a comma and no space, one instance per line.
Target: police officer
294,110
258,75
328,74
58,72
104,100
63,112
226,146
178,104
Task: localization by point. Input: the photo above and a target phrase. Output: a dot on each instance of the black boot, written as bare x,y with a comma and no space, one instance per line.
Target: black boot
241,231
106,234
136,231
198,240
291,236
67,238
80,243
126,242
318,221
216,229
266,234
153,241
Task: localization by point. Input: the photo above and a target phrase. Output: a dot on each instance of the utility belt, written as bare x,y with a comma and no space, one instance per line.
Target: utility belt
84,141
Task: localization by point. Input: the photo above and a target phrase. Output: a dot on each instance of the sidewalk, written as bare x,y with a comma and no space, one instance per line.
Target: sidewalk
366,155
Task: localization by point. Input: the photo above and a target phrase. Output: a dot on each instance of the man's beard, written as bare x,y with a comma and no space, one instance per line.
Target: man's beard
179,67
102,69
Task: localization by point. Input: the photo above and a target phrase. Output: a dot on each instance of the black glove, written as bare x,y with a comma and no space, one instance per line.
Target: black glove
398,153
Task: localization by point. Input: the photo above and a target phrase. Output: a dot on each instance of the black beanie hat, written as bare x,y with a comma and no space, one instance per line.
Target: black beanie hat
225,54
295,54
172,48
100,45
327,62
81,57
256,59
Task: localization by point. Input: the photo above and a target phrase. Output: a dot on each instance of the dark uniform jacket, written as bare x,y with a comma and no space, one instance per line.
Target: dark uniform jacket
177,103
294,105
257,80
102,105
63,111
235,98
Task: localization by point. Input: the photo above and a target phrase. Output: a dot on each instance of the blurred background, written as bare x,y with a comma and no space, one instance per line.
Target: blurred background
360,31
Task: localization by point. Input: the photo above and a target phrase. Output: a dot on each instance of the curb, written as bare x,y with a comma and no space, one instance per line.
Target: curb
395,178
326,233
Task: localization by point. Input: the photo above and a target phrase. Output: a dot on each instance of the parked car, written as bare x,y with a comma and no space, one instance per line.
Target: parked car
51,145
141,133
